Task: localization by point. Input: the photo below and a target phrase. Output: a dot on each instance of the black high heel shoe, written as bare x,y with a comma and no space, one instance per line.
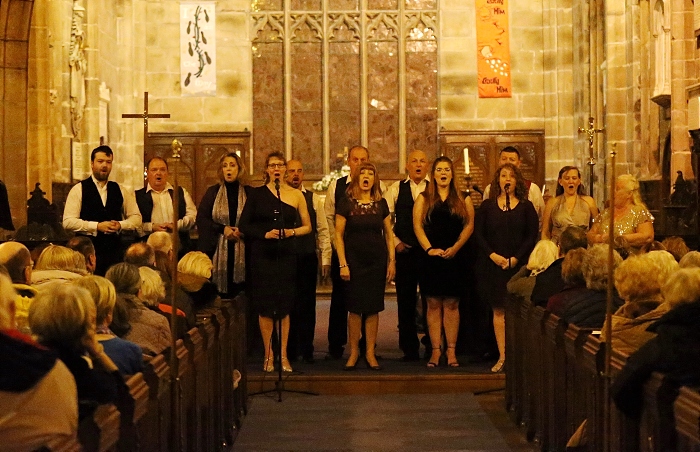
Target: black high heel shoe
351,367
371,367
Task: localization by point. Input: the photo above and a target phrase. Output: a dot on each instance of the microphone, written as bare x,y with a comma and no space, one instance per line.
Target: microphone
478,190
277,185
507,187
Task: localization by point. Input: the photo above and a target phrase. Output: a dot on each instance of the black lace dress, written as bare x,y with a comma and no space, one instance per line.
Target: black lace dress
366,254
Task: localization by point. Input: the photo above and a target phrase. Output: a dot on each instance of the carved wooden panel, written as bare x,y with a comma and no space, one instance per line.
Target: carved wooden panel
484,147
200,156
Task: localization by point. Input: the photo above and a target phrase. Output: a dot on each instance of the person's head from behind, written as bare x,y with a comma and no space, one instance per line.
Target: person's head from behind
140,254
509,154
356,156
195,263
161,241
683,286
640,277
55,257
63,315
690,260
101,159
164,265
7,304
542,256
103,295
18,262
676,246
125,277
573,237
595,266
84,246
572,268
654,245
152,287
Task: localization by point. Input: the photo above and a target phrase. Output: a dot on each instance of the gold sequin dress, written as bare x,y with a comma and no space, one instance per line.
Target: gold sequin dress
627,224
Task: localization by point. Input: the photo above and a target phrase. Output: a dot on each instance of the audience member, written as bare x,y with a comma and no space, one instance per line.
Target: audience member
18,263
140,254
574,282
690,260
193,272
38,394
676,246
126,355
57,264
62,317
542,256
132,320
84,246
654,245
153,295
161,241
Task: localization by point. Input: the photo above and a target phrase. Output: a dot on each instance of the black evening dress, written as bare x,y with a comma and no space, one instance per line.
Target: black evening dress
365,253
511,233
443,277
272,263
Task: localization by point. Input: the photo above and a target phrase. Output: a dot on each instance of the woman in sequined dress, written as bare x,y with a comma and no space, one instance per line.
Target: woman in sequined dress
633,221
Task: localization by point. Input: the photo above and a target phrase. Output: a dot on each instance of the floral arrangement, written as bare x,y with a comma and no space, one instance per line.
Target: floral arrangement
326,180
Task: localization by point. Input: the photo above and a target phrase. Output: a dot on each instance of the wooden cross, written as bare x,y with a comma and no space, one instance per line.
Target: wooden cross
146,116
591,131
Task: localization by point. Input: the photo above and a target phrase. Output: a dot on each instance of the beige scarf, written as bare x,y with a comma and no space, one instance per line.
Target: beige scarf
220,215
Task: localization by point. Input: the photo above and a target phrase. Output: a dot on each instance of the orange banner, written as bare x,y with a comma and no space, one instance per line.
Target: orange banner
493,48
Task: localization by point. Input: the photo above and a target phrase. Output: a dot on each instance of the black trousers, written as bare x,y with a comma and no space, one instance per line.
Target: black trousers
338,315
302,318
407,270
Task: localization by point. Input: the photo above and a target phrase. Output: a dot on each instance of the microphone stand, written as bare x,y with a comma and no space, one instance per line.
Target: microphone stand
277,323
507,187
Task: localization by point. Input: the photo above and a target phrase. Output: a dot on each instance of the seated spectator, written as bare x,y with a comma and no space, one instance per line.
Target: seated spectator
574,282
652,246
690,260
542,256
140,254
84,246
638,281
550,281
126,355
57,264
38,395
193,273
132,320
587,309
153,296
161,241
676,246
675,351
18,263
62,317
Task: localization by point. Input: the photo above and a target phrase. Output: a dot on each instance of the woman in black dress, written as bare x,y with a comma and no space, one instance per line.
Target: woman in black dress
364,241
443,222
506,232
217,223
271,238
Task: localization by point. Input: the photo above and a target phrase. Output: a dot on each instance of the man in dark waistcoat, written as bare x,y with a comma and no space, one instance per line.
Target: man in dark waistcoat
303,316
156,205
338,314
400,197
103,210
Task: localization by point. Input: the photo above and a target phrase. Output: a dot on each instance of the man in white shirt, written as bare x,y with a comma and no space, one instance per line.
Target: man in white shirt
156,205
400,198
102,209
303,316
509,154
338,315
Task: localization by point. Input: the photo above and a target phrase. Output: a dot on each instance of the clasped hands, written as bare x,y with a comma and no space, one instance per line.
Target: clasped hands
232,233
449,253
275,234
109,227
504,262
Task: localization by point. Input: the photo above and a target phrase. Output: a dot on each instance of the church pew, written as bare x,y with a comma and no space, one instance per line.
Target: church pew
593,386
154,429
183,397
208,331
240,336
229,419
100,432
513,352
686,411
657,431
66,445
537,394
574,341
556,380
197,360
221,349
132,407
523,394
624,431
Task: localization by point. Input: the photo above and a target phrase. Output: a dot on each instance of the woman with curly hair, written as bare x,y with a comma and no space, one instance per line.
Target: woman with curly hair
506,232
365,245
443,222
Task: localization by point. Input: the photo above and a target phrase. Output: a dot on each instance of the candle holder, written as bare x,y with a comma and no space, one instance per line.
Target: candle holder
468,180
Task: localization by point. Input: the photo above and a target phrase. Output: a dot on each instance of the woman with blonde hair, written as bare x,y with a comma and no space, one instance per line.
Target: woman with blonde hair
364,242
194,271
57,264
443,222
126,355
542,256
218,218
633,221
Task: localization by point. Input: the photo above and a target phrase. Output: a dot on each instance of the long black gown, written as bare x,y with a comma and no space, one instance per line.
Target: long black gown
365,253
443,277
272,275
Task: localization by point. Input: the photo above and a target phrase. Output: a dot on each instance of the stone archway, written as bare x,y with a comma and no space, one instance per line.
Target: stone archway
15,22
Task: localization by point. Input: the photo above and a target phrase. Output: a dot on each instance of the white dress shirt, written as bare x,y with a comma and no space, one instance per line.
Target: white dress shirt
71,213
323,240
392,195
163,209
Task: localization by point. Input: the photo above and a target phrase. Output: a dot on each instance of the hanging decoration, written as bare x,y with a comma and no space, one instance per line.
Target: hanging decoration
198,48
493,48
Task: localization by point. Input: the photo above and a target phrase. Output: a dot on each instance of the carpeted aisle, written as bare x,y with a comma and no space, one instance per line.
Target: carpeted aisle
386,423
